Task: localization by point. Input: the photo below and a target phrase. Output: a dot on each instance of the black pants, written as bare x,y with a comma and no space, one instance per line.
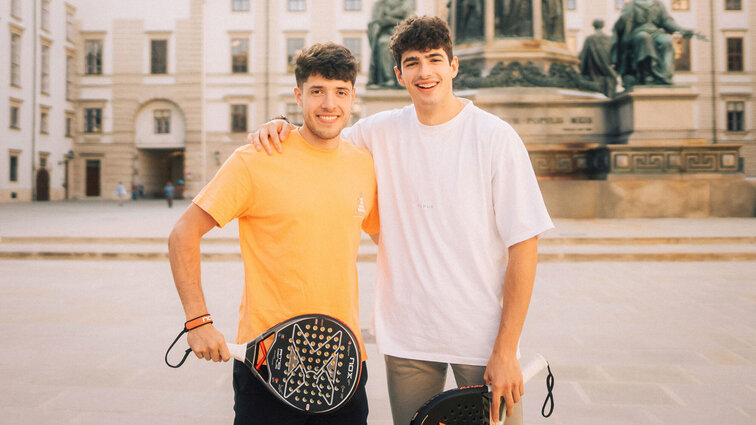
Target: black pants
254,404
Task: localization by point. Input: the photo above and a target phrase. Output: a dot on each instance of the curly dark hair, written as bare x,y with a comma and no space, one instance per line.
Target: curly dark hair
420,33
329,60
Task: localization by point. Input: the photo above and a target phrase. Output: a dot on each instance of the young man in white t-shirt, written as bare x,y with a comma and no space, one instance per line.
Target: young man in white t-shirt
460,212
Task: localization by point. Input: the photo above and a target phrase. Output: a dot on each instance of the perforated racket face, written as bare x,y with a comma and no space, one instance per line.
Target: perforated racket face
456,407
314,364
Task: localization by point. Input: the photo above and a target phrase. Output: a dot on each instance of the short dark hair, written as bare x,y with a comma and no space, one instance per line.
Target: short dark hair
329,60
421,33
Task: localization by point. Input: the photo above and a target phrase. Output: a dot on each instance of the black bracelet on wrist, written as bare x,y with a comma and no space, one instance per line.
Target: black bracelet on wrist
282,117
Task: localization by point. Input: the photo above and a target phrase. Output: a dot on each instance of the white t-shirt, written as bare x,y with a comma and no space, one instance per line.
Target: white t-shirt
451,198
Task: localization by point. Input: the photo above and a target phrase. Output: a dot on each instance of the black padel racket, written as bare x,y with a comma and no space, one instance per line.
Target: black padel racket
468,405
314,362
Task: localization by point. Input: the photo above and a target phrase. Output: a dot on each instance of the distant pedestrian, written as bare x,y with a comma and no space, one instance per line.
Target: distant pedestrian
169,193
121,192
180,188
133,192
140,190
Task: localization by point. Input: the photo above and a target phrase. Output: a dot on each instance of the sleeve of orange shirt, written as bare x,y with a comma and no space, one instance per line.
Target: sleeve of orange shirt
229,193
371,223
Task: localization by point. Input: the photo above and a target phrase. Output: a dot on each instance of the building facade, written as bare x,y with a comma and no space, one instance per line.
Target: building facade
98,92
37,104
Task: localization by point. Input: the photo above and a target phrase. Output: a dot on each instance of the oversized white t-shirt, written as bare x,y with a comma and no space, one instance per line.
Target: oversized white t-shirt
451,198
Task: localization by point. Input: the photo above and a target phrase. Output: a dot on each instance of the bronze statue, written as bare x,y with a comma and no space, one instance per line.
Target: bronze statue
553,20
513,18
595,59
470,25
643,50
386,14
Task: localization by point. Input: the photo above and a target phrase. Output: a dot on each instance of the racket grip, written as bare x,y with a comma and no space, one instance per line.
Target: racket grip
237,351
533,367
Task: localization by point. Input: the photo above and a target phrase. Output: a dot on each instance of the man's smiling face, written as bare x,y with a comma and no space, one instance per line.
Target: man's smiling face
427,75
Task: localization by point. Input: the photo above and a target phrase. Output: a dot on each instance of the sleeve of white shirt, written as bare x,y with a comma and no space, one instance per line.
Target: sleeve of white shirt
356,134
518,204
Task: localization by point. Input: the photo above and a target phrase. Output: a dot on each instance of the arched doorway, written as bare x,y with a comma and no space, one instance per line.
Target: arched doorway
160,139
43,185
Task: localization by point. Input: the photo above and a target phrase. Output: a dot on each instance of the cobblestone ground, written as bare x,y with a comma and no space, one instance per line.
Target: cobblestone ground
629,343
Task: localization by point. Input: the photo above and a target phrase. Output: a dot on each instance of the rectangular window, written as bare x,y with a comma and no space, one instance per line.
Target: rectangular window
296,5
13,121
293,46
735,54
69,26
294,113
15,60
238,118
69,77
571,4
619,4
44,76
13,166
69,125
682,54
16,8
680,5
43,124
159,56
240,5
736,116
93,120
354,45
162,121
352,4
93,54
45,15
733,5
239,55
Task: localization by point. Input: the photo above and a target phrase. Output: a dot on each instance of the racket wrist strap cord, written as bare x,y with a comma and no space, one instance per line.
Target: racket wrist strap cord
195,323
549,402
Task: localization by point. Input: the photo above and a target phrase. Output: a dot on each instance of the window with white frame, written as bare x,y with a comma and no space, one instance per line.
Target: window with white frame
159,56
69,25
571,4
296,5
682,53
15,60
162,121
44,76
13,121
619,4
238,118
239,55
734,54
354,44
733,5
93,120
13,166
69,124
93,57
240,5
45,15
293,46
69,76
44,116
736,115
352,4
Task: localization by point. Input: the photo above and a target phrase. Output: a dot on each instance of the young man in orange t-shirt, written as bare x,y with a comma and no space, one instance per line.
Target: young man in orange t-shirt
300,220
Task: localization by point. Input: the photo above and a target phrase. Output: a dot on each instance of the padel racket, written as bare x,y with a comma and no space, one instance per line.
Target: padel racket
313,364
471,405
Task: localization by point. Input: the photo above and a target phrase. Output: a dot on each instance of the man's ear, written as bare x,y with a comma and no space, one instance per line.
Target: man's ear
399,78
298,95
455,66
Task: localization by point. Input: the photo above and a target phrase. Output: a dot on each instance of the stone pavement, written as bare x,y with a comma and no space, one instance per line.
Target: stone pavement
644,321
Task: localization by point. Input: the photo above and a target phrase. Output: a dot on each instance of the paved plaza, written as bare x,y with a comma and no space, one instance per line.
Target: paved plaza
643,321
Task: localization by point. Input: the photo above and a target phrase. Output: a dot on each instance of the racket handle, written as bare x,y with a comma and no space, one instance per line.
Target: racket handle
533,367
237,351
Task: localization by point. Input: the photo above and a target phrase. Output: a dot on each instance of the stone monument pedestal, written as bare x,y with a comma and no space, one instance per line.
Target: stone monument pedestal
659,115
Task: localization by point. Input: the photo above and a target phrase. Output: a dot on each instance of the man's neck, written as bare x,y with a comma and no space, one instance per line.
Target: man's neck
439,113
318,142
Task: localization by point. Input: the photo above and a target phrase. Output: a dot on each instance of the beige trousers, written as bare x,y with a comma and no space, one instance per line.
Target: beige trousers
413,382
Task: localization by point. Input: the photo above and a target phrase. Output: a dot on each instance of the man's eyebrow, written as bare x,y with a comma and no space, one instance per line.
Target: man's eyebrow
409,58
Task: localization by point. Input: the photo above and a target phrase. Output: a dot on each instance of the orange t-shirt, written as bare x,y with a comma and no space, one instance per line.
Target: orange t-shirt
300,215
